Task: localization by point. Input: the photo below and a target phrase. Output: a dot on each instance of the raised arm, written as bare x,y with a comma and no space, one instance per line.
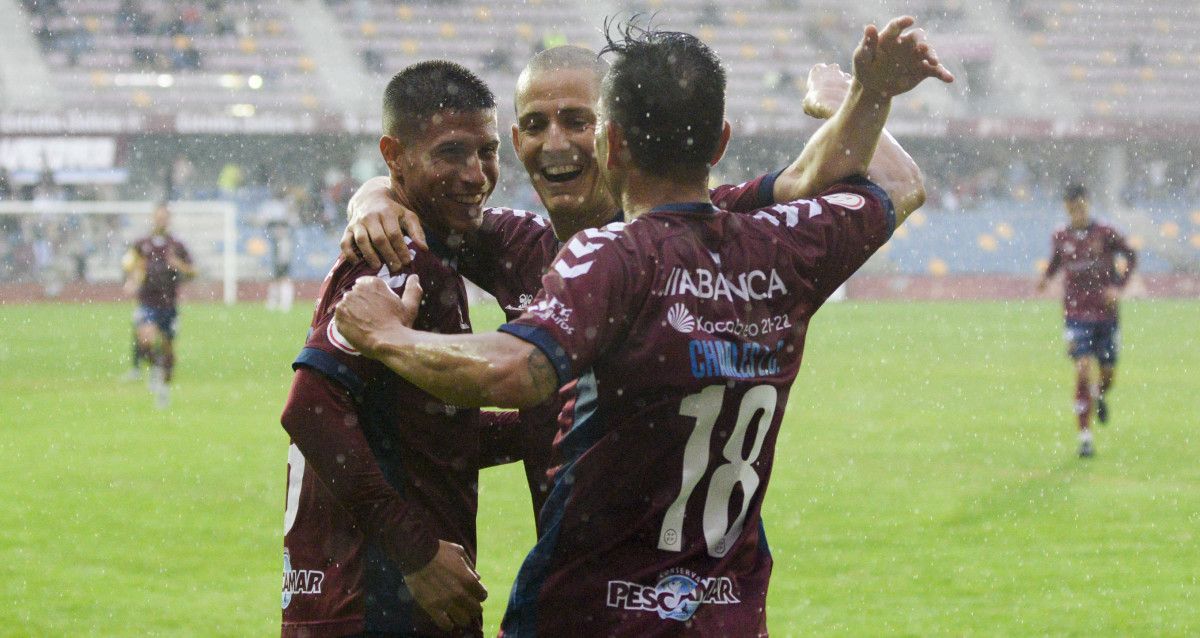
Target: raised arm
886,63
891,167
492,369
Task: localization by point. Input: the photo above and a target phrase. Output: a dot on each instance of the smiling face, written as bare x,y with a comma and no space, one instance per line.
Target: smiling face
447,170
554,136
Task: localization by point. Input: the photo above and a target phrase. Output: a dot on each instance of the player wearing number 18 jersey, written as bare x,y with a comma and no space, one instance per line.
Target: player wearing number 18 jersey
682,332
677,336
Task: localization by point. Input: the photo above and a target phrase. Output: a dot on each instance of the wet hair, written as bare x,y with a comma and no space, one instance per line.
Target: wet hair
666,90
1074,191
421,90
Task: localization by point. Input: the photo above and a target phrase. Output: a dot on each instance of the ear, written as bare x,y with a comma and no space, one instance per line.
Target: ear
390,148
618,150
516,137
722,144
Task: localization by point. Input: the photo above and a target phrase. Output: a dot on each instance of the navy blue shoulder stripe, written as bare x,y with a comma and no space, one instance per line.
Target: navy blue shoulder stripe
329,366
546,343
766,189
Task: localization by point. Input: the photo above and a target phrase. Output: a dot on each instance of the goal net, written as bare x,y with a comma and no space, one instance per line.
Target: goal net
56,241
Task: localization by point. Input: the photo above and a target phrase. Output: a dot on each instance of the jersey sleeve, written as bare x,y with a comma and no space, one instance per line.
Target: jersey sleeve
328,352
500,437
833,234
182,252
582,306
1119,246
1056,259
321,418
747,196
509,244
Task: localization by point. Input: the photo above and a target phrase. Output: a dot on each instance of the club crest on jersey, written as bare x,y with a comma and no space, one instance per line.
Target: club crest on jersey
522,303
676,596
705,284
849,201
299,581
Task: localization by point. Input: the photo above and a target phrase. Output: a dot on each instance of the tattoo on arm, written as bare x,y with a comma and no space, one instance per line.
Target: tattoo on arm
541,373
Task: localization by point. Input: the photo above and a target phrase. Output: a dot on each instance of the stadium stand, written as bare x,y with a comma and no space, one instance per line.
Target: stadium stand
164,56
229,81
1134,59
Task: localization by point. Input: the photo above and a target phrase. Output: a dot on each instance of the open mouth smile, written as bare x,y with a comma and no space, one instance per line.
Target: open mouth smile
561,173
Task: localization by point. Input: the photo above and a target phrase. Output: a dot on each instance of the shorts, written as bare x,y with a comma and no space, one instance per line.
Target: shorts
1100,339
165,319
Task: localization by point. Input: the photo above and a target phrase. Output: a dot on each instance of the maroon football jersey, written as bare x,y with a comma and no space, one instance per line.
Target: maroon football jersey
677,337
1087,257
373,479
160,288
508,257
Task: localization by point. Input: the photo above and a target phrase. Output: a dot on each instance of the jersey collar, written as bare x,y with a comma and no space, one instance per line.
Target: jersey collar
686,207
442,247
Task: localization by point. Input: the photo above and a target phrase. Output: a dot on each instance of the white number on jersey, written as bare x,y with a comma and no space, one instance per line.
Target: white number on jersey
757,405
294,482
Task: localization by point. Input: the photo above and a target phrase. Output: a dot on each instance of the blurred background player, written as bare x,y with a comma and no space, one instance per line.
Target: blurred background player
279,220
154,266
1088,253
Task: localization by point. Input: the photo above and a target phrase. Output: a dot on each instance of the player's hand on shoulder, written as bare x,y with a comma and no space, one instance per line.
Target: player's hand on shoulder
448,588
827,87
896,59
378,226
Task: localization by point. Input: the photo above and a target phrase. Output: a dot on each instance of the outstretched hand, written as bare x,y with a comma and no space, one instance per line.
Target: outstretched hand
370,309
448,588
379,227
896,59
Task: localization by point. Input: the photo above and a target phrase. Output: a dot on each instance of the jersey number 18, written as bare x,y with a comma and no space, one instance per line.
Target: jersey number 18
758,405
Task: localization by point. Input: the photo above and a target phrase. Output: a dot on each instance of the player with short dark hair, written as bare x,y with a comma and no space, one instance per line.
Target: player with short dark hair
380,516
677,336
555,106
154,266
1087,252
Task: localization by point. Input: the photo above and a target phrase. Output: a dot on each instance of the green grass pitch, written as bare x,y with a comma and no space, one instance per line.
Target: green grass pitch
925,482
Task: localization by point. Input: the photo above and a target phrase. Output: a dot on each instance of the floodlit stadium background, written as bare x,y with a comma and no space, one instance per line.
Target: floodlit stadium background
927,483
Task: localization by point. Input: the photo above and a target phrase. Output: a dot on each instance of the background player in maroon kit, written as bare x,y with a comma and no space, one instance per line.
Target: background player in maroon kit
380,517
678,335
554,139
1087,252
155,266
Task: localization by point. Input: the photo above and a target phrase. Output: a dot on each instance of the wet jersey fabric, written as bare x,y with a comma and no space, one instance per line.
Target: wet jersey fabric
676,338
1087,257
374,481
160,288
508,257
